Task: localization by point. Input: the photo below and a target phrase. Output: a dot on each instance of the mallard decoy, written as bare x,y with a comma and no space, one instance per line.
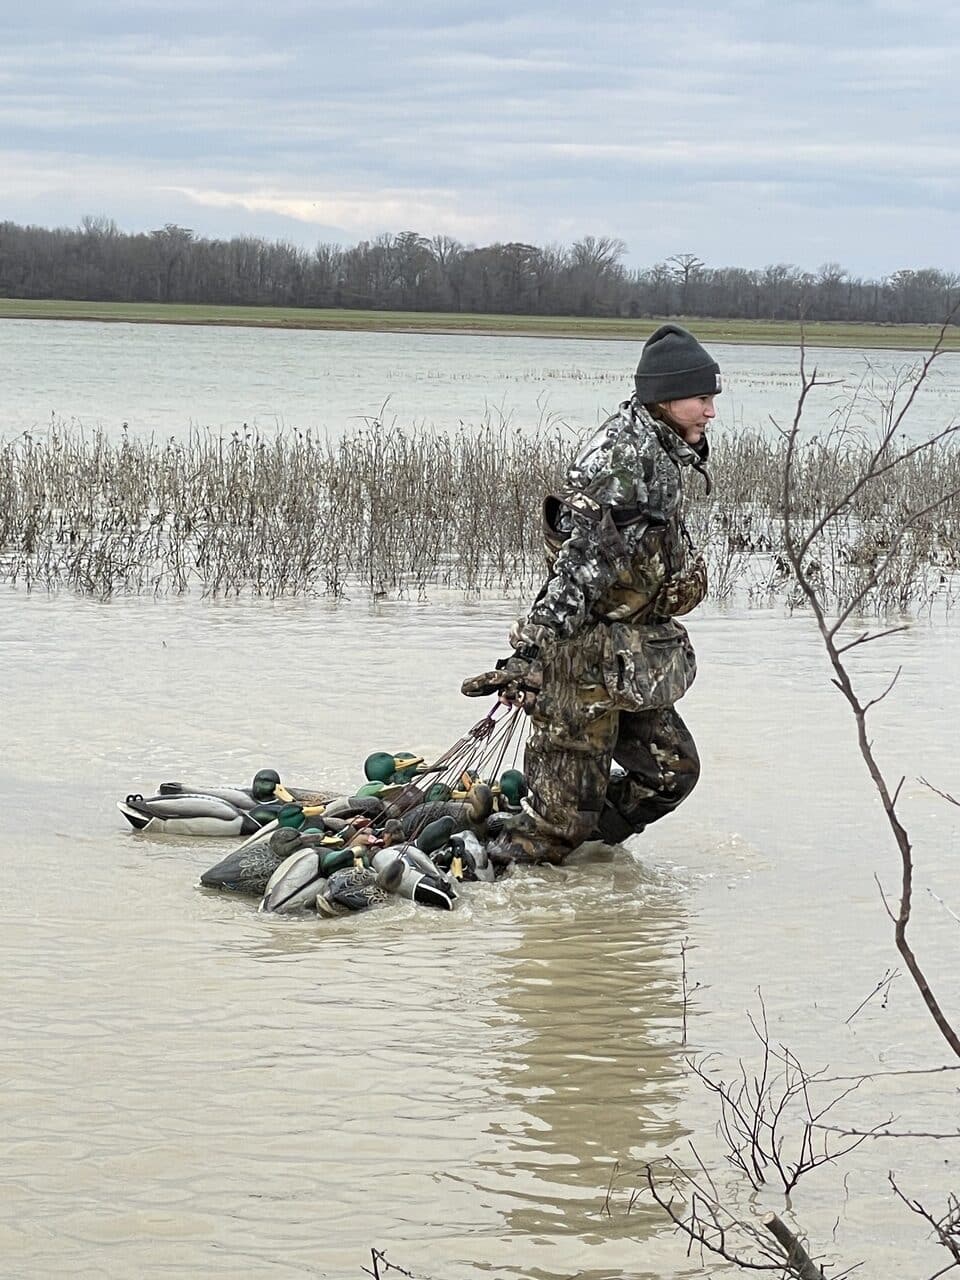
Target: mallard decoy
470,813
512,788
390,767
474,859
435,834
465,858
188,815
266,786
358,888
355,806
249,868
297,881
422,880
403,798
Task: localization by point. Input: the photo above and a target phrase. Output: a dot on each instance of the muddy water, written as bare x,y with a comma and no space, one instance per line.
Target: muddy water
191,1089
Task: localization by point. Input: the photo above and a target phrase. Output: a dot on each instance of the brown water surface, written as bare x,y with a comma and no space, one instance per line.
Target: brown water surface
192,1089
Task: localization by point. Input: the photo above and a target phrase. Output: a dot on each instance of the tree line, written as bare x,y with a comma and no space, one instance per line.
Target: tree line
411,272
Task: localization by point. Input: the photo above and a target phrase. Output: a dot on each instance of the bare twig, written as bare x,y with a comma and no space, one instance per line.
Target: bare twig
605,1208
946,1228
944,795
882,985
379,1259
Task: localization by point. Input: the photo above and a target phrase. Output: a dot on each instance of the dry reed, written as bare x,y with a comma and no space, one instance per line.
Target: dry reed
394,513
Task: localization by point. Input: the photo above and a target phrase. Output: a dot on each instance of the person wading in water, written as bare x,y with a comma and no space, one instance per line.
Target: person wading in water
600,660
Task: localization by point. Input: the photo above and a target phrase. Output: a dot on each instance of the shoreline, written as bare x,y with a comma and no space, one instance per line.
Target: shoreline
836,334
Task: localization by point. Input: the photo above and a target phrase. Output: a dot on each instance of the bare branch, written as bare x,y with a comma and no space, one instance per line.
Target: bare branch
879,1132
936,897
944,795
946,1228
796,552
880,697
706,1224
798,1260
866,638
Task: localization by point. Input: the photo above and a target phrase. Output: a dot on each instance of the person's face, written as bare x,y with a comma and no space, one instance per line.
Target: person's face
689,417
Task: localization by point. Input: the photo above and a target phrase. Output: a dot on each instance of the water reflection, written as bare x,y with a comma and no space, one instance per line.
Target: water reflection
592,1087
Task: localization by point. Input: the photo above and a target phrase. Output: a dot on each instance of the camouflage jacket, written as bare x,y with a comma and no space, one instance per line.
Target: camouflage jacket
622,566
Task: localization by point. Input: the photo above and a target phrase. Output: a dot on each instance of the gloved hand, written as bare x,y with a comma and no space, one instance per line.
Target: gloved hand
516,680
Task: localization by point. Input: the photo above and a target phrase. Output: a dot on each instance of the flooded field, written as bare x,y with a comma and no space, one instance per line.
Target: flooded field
192,1089
165,380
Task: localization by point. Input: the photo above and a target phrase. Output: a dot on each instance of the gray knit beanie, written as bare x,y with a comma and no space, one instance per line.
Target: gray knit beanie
673,366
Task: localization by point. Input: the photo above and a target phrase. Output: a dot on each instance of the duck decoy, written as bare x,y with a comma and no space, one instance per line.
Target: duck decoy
422,880
358,888
266,786
188,815
435,834
300,817
390,767
471,812
473,857
512,787
464,857
297,881
249,868
354,806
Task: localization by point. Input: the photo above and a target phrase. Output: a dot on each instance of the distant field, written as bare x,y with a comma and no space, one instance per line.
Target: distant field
763,332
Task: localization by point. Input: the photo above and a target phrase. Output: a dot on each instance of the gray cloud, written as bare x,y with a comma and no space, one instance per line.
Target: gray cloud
747,133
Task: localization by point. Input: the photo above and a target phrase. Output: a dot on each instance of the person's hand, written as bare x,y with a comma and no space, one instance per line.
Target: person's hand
516,681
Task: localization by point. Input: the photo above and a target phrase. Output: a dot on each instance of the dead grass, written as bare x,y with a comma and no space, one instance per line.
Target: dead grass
396,513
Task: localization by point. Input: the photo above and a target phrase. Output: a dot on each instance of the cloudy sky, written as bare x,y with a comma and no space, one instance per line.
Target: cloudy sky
746,132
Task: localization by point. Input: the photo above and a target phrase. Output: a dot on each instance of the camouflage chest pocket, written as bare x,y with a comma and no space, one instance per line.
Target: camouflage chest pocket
647,666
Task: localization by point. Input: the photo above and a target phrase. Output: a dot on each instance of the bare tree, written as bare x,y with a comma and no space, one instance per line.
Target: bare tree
685,267
889,454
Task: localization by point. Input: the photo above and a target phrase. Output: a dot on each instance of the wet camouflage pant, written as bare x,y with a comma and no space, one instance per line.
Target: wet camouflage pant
575,736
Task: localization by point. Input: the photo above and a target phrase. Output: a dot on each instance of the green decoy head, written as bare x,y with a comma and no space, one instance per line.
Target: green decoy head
335,860
440,793
435,835
379,767
264,786
369,789
513,786
291,815
294,815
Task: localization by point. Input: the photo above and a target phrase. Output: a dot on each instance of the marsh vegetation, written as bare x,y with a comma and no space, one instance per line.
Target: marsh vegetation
388,512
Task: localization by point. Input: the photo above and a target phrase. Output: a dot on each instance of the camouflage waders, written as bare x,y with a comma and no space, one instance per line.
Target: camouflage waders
579,728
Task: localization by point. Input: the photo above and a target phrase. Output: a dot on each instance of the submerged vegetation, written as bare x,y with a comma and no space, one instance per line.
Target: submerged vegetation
396,513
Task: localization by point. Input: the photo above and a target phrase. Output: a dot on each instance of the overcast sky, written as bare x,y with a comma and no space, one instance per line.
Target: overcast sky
745,132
